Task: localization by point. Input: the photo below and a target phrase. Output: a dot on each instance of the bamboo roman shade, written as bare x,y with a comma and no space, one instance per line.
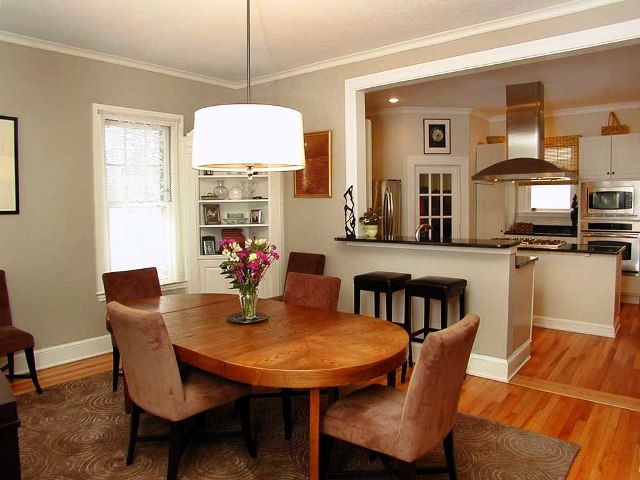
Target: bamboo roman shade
564,152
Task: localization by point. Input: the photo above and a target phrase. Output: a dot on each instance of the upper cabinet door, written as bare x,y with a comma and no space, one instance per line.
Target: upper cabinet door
625,157
595,158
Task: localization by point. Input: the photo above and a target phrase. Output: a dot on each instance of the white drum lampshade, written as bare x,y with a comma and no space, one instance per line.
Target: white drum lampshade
248,137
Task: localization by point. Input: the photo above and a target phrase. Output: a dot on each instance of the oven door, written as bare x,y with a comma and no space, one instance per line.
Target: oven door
610,200
631,242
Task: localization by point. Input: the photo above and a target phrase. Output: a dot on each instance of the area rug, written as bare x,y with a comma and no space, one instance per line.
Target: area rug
78,430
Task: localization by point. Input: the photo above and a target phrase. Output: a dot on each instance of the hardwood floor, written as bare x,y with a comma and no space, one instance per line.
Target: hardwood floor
580,388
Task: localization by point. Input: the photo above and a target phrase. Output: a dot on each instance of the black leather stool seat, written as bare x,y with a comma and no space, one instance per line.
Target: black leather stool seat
435,286
381,281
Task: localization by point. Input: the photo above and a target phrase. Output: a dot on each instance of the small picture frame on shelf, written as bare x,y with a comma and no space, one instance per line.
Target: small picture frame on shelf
209,245
211,214
437,135
255,216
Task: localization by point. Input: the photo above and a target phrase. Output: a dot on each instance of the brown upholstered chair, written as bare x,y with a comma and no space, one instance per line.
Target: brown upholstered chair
300,262
127,286
314,291
407,426
13,339
156,386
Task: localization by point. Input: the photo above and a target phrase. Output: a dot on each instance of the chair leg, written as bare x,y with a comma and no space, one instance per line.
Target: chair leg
326,449
406,470
133,432
11,365
391,379
356,300
116,367
450,455
407,322
403,373
462,299
31,363
427,316
286,412
244,405
176,448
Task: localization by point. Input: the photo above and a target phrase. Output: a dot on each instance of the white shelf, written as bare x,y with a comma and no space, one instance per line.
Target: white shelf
232,176
235,225
243,200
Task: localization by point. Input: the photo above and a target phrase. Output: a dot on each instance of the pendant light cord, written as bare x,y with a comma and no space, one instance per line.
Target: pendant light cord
248,51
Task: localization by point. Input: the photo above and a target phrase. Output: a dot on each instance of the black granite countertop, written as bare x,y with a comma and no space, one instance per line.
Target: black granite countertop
596,249
522,260
447,242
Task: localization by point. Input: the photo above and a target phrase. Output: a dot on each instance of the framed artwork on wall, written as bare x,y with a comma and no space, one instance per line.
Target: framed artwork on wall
9,195
437,135
315,179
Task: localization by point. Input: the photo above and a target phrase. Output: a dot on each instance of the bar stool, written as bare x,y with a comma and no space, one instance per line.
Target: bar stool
432,288
387,283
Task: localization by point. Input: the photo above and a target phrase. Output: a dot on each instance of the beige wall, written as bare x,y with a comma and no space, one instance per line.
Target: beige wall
311,224
48,249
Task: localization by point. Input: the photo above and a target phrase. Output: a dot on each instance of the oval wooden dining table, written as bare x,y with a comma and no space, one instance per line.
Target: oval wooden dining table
297,347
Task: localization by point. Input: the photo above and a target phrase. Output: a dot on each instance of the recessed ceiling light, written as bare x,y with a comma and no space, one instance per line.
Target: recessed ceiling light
393,100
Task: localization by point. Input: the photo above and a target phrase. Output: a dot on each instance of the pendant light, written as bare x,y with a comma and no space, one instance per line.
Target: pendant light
248,137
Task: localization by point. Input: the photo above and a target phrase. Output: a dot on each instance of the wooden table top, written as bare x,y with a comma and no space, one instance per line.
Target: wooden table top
296,347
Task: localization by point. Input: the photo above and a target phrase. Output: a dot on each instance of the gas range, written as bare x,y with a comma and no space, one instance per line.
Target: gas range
540,243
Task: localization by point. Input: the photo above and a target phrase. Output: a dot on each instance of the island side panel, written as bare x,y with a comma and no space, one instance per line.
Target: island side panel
520,316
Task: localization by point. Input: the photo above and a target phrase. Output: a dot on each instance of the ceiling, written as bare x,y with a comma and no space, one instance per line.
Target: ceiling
603,77
206,38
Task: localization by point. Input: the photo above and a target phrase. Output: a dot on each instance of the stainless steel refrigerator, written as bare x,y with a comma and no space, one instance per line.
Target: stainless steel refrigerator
387,199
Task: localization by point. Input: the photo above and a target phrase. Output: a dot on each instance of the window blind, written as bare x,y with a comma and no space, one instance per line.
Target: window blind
564,152
140,203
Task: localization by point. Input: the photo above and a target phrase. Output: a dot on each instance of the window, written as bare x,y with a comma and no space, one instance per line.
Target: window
437,192
136,189
550,197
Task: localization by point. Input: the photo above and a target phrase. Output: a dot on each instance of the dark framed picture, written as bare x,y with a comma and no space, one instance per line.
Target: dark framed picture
315,179
209,245
255,216
9,197
437,135
211,214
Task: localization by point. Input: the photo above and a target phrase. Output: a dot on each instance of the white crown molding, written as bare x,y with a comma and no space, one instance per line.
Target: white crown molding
31,42
566,112
575,6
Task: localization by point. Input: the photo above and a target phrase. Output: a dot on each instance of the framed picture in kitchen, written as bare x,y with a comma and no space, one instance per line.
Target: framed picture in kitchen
211,214
437,135
315,179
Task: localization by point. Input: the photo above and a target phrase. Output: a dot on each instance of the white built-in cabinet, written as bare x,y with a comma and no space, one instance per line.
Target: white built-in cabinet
610,157
203,271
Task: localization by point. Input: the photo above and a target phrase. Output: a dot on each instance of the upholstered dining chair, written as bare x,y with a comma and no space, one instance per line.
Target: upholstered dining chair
126,286
12,339
300,262
407,426
156,385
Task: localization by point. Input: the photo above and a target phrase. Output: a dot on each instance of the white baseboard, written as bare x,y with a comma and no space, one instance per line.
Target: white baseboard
66,353
496,368
575,326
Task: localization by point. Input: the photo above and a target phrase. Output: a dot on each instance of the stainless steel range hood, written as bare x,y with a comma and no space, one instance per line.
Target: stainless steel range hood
525,140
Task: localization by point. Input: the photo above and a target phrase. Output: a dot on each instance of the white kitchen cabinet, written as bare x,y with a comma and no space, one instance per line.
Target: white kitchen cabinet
210,277
610,157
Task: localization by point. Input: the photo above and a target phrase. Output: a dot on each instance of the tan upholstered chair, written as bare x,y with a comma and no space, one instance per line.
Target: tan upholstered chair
300,262
13,339
127,286
409,426
156,386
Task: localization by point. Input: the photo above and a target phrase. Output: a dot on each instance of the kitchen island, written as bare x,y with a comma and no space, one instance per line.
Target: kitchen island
499,289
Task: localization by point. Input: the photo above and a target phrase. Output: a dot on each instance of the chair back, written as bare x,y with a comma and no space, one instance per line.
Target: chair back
315,291
128,285
5,309
434,389
300,262
148,359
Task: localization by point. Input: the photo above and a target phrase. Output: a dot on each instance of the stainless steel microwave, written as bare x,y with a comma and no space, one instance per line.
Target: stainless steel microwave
611,198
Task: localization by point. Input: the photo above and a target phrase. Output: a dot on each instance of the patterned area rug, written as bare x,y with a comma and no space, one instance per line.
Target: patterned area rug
78,430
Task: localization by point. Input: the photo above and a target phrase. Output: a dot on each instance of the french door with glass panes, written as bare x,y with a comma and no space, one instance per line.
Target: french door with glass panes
438,202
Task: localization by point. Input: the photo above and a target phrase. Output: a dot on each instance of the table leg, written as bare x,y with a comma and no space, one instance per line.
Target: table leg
314,433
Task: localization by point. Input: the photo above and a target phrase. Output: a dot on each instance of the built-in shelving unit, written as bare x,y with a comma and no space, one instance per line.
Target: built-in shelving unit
204,270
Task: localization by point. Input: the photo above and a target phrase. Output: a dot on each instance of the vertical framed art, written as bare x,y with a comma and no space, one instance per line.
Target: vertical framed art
437,135
315,179
9,194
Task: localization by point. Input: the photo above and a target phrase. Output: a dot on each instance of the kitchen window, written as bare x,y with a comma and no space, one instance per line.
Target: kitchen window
136,192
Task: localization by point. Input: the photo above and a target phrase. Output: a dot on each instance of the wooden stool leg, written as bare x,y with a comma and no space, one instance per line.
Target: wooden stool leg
444,313
462,305
427,316
356,300
376,299
388,296
407,322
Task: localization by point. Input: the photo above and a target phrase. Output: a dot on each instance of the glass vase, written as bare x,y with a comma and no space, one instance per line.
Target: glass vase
249,303
221,192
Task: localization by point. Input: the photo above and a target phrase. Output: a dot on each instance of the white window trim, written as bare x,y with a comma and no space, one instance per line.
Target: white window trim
524,205
176,122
